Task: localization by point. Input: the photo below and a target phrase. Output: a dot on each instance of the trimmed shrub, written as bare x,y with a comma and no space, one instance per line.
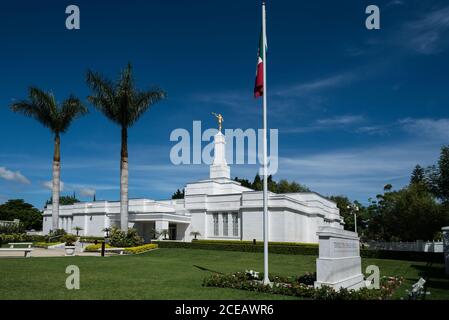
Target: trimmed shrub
140,249
297,248
244,246
20,237
45,245
69,239
91,239
95,247
124,239
11,228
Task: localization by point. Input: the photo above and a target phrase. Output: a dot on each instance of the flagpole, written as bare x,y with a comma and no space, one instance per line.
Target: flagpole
266,280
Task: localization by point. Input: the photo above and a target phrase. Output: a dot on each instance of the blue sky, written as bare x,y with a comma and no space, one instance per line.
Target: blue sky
355,109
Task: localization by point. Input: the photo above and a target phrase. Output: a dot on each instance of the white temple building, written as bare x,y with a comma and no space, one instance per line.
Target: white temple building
217,208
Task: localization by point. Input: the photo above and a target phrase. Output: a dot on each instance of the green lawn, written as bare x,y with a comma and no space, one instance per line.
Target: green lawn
172,274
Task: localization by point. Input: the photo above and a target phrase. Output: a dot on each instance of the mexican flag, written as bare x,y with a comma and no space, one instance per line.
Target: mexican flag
258,87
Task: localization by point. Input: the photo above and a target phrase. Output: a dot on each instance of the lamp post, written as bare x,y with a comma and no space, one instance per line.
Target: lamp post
354,208
106,240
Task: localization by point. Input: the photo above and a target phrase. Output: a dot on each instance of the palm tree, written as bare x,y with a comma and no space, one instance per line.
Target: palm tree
122,103
43,107
77,229
195,234
164,233
107,231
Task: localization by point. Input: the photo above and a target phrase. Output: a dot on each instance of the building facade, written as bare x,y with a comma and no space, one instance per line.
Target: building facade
217,208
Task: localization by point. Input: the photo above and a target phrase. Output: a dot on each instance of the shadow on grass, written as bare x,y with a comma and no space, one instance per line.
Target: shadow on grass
206,269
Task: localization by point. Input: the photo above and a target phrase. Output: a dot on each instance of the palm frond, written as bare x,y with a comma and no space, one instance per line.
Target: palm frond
71,109
142,101
43,107
120,101
104,96
39,106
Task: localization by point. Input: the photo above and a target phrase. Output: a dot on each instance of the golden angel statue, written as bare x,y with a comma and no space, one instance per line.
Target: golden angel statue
220,120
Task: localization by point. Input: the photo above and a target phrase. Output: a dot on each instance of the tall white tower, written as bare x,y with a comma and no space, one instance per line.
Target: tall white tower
219,168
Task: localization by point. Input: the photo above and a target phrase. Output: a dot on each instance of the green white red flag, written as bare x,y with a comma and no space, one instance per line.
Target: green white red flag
258,87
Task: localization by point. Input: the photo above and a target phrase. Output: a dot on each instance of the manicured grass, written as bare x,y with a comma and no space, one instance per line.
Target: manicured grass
173,274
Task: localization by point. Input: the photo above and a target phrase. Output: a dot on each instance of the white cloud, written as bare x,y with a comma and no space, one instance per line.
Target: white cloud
341,120
337,122
429,35
87,192
333,81
358,172
49,185
431,128
15,176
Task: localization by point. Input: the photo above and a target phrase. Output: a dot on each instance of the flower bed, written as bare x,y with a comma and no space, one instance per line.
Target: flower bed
140,249
130,250
301,286
95,247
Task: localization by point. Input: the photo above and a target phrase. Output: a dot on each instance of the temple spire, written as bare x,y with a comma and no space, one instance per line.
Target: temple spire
219,168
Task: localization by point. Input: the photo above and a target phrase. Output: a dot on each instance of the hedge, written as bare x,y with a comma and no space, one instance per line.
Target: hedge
20,237
244,246
45,244
297,248
91,239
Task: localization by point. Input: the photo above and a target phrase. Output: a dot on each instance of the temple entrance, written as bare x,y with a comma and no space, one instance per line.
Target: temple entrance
172,231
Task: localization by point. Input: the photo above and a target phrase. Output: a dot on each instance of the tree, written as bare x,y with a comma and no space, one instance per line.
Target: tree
409,214
43,107
283,186
28,215
346,208
77,230
257,183
343,203
164,233
244,182
418,175
64,200
432,180
443,181
195,234
178,194
123,104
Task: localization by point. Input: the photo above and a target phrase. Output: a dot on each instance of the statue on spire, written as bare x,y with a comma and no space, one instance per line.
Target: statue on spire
220,120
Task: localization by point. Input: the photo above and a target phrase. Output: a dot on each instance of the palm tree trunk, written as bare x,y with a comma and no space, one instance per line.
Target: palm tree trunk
56,183
124,181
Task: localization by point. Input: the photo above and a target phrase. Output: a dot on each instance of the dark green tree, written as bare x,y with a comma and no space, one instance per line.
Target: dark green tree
409,214
443,181
244,182
178,194
257,183
65,200
418,175
28,215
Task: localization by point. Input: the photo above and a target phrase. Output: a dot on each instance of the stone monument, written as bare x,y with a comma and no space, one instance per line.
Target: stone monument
339,263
